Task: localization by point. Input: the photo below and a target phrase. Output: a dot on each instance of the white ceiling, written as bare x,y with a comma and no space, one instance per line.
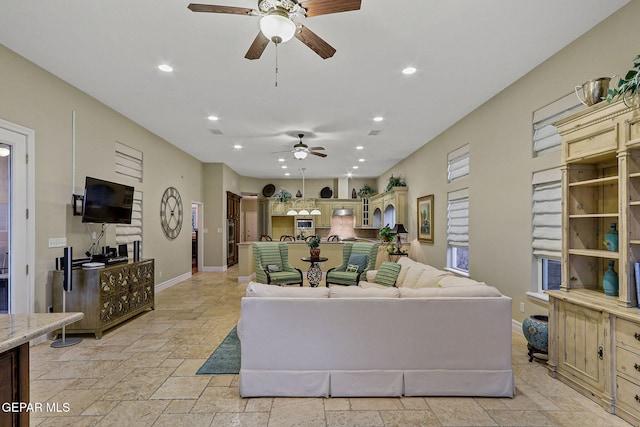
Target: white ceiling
465,51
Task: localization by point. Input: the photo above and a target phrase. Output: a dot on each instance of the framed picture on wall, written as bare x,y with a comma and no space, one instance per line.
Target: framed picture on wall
425,219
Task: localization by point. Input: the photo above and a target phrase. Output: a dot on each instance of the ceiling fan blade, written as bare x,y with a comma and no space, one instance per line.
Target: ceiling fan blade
324,7
212,8
257,47
316,148
317,154
315,43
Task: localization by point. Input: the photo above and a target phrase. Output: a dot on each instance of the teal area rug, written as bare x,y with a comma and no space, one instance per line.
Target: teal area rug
226,358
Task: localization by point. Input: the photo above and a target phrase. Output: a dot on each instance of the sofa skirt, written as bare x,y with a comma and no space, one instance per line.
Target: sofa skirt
372,383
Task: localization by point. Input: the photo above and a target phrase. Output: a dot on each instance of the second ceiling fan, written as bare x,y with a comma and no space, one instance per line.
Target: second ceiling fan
278,21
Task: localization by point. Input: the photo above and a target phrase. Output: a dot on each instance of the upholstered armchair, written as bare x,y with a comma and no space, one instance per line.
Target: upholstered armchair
271,261
360,254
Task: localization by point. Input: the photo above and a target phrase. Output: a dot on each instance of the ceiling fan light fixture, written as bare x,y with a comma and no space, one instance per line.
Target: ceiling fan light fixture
300,154
277,27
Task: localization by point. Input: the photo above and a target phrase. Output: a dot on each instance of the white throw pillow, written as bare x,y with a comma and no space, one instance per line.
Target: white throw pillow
431,276
412,275
405,265
255,289
452,292
453,280
358,292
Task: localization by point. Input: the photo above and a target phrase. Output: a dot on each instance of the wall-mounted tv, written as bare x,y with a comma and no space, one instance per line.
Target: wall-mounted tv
107,202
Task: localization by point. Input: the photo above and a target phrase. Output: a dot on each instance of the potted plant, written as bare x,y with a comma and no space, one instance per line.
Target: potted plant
282,195
395,181
386,235
314,246
366,191
628,88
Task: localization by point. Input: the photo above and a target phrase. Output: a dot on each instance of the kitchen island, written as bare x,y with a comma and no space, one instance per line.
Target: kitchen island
16,330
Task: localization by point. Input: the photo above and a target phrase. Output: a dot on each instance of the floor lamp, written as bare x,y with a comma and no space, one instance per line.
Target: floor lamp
67,283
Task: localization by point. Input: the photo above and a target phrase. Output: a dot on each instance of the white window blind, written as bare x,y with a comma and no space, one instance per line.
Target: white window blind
458,218
547,213
128,162
545,134
129,233
458,163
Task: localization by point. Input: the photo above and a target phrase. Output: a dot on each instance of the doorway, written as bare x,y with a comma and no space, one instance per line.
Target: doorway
17,238
196,237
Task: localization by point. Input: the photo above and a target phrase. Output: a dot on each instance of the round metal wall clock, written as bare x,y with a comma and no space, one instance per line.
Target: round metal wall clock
171,213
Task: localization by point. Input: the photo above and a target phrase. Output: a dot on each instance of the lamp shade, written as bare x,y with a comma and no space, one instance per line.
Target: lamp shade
277,27
292,212
315,212
399,228
303,212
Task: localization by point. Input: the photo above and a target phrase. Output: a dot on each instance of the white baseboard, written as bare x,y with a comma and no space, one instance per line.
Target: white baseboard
516,327
213,269
169,283
246,279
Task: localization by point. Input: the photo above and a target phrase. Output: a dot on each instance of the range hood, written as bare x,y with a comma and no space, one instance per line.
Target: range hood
343,212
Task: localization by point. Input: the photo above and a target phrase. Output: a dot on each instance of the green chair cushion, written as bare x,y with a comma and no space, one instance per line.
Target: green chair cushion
285,277
387,274
343,277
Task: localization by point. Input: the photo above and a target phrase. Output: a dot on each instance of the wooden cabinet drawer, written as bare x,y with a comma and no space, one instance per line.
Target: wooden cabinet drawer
589,142
628,363
628,333
628,395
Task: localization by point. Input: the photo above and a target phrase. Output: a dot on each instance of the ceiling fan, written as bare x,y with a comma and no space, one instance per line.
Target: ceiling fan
278,21
301,150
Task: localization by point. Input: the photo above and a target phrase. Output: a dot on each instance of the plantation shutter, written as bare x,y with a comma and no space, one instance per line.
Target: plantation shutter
547,213
129,233
458,218
458,163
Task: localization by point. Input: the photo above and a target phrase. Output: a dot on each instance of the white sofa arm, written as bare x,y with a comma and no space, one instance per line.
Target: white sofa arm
371,274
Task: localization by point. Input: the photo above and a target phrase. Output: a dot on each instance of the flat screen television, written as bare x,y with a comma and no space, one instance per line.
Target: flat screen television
107,202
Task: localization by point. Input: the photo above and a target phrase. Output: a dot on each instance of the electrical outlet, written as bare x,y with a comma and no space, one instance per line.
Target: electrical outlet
58,242
522,307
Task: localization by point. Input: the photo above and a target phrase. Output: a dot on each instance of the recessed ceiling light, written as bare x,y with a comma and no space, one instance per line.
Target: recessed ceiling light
359,147
361,160
283,166
237,146
378,119
287,174
281,159
409,70
213,118
165,67
349,174
355,167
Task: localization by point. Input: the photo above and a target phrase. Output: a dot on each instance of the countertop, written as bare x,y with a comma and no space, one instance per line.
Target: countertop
17,329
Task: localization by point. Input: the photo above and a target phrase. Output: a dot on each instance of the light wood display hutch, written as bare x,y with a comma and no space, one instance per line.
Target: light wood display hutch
594,339
107,296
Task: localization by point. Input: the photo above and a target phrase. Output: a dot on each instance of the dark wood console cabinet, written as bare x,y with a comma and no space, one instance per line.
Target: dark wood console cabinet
107,296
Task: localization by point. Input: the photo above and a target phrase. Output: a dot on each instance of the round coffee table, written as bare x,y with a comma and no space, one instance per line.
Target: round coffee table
314,274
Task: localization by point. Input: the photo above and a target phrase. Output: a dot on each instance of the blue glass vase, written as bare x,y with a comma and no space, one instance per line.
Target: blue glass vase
610,281
611,238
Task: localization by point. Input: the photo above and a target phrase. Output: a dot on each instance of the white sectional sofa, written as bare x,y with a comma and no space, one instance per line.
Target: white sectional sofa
440,340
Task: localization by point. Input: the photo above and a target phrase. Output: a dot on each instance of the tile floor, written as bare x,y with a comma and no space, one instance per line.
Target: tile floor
143,374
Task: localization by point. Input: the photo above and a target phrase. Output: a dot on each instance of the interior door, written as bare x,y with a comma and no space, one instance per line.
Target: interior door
17,193
250,226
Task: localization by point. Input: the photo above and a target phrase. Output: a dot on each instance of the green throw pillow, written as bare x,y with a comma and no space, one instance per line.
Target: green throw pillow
387,274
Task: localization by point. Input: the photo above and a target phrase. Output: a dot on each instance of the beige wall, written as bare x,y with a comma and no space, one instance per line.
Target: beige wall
34,98
501,162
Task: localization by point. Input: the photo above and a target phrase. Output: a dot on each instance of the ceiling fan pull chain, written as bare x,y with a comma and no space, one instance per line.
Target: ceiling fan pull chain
276,64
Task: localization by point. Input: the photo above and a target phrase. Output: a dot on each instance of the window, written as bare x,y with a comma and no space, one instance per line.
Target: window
458,230
545,135
128,162
547,228
458,163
